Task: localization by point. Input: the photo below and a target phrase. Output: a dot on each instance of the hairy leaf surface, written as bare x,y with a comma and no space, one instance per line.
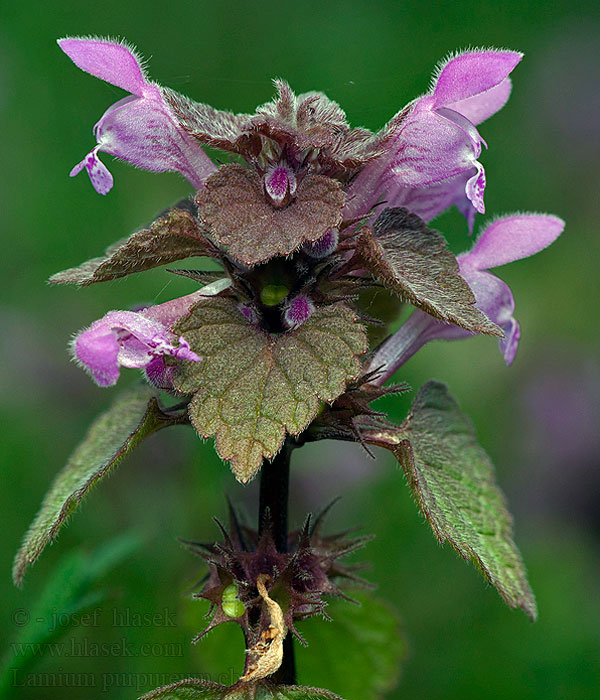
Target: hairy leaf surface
174,236
251,387
452,480
234,208
131,418
414,262
194,689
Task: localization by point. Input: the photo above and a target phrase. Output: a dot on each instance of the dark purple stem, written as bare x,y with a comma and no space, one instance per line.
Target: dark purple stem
274,491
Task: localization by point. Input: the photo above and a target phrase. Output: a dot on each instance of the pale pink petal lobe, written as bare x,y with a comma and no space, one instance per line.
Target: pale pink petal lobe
113,62
472,73
513,238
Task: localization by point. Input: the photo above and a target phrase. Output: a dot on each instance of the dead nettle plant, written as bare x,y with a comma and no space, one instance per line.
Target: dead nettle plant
273,350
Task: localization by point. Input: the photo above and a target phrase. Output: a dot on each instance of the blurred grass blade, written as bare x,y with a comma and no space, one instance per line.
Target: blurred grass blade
68,594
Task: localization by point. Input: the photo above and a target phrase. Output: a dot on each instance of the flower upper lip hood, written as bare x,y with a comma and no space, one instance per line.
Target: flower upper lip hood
133,339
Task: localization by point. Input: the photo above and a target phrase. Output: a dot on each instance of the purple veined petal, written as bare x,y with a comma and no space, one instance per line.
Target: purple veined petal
429,202
160,374
512,238
422,152
116,63
144,133
323,246
472,73
280,184
494,298
433,147
140,128
297,311
100,175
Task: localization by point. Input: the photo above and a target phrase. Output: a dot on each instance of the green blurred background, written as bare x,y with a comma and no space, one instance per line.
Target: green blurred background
539,419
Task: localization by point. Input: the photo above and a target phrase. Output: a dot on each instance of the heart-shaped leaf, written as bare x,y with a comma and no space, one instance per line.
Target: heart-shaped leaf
452,480
252,387
234,208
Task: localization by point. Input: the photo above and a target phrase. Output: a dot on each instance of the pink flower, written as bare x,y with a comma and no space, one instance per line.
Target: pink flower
140,128
505,240
134,340
431,147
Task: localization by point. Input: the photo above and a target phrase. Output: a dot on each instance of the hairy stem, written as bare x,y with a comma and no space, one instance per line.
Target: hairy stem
274,491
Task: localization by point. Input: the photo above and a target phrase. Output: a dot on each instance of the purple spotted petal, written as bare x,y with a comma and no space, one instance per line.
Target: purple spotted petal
140,128
100,176
437,145
126,339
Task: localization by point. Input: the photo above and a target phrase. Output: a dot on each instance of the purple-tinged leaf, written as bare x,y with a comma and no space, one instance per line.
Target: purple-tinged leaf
174,236
132,417
234,208
251,387
414,262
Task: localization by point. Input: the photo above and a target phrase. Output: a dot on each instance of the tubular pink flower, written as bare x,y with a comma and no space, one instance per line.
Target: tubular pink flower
505,240
135,340
432,146
140,128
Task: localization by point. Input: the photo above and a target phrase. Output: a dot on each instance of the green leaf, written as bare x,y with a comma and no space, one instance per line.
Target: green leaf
194,689
132,417
413,261
174,236
358,654
251,387
452,480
